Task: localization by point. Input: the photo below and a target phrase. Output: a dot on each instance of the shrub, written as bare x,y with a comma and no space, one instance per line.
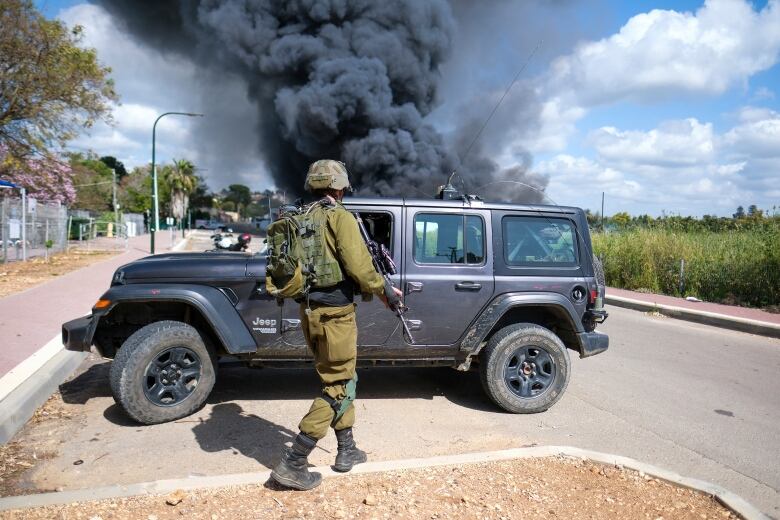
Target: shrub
739,267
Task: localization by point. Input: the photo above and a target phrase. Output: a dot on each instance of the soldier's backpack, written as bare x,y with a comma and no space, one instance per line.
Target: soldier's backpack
298,258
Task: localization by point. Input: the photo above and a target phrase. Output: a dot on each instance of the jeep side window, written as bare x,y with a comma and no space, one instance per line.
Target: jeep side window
449,239
536,241
379,226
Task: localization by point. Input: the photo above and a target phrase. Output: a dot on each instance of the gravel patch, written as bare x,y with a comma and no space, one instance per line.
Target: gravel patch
555,487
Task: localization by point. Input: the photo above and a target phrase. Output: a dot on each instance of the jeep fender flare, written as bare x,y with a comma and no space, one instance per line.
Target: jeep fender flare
503,303
212,303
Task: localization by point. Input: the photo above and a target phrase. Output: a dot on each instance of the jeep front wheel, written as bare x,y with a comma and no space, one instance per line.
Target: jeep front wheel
163,372
524,368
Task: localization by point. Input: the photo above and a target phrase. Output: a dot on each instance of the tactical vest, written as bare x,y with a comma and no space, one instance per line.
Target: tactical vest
298,256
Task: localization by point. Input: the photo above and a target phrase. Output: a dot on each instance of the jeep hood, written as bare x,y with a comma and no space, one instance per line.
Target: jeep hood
179,267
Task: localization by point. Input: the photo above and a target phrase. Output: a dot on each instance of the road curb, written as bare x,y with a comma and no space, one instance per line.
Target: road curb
181,244
760,328
730,500
29,384
31,388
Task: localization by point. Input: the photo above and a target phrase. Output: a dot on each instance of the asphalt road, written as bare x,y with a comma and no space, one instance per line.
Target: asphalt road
698,400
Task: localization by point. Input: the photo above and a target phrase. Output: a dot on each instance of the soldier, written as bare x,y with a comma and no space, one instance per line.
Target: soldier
330,329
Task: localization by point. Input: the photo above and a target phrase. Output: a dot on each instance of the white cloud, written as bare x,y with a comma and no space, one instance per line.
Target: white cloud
682,165
658,56
763,93
757,135
223,145
569,175
674,143
665,53
557,121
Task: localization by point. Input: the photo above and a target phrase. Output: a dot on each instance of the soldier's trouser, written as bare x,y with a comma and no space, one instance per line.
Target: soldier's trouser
331,333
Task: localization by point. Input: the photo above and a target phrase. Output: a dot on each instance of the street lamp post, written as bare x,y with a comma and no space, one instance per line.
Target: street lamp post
155,201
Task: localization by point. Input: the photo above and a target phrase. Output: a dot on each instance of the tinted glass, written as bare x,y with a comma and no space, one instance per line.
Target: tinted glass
448,239
538,241
475,240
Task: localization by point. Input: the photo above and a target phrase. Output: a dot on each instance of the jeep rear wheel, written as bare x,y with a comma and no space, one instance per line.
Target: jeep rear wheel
163,372
524,368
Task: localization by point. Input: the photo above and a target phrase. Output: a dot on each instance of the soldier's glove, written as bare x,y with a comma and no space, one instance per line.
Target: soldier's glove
393,300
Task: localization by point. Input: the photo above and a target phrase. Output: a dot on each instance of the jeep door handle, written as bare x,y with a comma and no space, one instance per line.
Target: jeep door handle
468,286
290,325
414,287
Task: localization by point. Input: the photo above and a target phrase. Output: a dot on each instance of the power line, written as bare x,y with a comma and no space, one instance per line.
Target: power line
92,184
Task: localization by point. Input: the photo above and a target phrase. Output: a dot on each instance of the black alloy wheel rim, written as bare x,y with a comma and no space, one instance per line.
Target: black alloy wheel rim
172,376
529,372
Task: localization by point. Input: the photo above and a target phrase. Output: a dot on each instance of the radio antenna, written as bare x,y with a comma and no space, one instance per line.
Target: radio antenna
495,108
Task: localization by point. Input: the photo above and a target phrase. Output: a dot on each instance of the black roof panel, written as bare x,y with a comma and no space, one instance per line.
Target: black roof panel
436,203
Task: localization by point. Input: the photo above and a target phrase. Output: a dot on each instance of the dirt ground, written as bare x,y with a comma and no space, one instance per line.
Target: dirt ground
18,276
18,457
534,488
531,488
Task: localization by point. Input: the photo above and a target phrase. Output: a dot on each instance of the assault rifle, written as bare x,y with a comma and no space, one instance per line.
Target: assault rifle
385,266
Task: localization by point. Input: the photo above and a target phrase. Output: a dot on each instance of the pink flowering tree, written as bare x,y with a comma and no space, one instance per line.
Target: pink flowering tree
46,179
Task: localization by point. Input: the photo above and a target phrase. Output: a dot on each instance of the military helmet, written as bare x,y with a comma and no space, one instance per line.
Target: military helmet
327,173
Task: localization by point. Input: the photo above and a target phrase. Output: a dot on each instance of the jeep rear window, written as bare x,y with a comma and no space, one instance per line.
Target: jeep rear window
449,239
538,241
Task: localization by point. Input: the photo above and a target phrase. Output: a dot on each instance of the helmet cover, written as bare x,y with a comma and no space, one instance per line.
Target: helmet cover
327,173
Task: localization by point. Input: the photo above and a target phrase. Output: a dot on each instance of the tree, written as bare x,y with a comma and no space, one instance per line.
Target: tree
92,179
116,165
755,213
239,195
621,219
201,199
50,87
181,179
45,180
135,195
740,212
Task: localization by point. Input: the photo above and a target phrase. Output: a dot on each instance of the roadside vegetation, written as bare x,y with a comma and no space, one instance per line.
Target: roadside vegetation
19,276
733,260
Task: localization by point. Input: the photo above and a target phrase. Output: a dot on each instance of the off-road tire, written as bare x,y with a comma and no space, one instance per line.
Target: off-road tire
129,368
496,356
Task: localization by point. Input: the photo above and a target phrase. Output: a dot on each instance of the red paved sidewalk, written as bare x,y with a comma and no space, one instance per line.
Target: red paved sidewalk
30,319
726,310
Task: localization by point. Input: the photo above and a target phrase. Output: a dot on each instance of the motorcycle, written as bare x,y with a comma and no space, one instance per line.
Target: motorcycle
224,242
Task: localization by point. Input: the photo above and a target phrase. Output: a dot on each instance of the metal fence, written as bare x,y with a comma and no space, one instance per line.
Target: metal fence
37,230
99,235
135,224
30,230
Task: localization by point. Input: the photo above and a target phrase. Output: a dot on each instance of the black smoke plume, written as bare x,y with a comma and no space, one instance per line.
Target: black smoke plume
347,79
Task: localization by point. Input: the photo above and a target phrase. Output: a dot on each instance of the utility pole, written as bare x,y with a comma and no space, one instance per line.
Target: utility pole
24,225
113,200
155,221
270,214
602,211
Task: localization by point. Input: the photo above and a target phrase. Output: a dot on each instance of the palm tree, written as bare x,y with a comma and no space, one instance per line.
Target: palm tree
182,180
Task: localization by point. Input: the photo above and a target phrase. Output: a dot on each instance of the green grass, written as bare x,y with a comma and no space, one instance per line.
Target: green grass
734,267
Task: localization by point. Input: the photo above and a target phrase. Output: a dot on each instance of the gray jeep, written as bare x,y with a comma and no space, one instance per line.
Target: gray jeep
503,287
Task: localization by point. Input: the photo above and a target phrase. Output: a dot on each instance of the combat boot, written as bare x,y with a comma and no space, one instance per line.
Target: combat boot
293,470
348,454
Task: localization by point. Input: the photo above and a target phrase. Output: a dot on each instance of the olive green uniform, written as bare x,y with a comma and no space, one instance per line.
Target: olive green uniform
331,331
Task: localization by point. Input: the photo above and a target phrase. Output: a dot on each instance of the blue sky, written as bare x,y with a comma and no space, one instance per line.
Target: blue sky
667,106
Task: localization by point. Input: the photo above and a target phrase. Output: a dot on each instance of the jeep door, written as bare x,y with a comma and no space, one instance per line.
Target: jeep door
448,273
261,312
375,322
